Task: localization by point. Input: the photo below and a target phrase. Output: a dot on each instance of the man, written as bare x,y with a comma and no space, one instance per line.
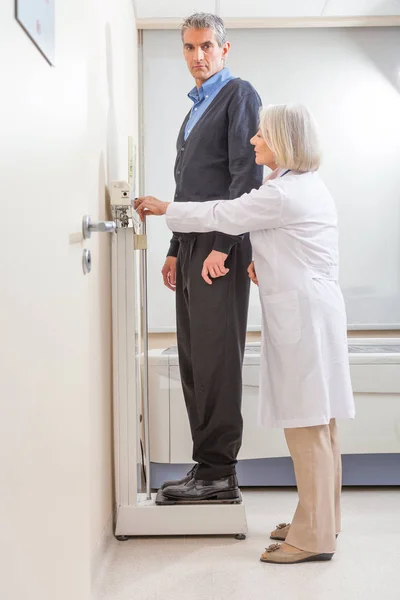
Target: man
209,271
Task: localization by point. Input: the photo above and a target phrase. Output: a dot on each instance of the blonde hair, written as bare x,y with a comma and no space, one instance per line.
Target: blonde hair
292,134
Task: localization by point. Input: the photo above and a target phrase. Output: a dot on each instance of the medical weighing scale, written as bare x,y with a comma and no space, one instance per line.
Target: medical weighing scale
139,512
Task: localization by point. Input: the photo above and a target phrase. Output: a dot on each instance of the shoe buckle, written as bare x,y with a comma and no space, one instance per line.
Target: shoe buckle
273,547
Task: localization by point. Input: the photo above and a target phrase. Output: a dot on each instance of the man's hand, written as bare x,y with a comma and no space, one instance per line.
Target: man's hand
252,273
214,266
148,205
169,273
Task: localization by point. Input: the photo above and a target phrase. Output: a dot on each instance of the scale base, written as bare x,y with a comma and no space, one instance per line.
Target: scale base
146,518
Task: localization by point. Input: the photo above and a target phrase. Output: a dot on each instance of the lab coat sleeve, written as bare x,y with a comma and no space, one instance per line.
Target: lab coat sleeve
259,209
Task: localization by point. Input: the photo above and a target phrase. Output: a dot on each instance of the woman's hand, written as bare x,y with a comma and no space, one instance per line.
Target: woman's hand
252,273
148,205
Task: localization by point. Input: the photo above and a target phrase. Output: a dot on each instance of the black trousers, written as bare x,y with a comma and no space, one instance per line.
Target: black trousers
211,328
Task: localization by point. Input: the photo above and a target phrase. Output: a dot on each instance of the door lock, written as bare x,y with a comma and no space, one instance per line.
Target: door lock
86,261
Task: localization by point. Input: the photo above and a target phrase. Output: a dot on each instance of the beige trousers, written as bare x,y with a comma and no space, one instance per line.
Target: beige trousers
318,469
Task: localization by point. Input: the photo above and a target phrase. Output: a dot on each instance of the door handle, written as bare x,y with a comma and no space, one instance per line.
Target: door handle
88,226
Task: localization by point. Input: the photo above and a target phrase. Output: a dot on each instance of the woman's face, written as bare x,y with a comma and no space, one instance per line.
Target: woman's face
264,154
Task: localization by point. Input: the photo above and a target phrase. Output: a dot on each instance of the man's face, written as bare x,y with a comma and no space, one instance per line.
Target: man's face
203,56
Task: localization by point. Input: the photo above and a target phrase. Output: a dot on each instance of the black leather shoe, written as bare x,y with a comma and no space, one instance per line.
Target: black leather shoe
198,489
188,477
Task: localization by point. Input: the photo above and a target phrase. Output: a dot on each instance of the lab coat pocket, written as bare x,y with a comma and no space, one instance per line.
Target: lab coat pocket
282,315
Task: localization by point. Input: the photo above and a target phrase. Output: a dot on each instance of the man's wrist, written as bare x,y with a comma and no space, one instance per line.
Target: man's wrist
225,248
173,248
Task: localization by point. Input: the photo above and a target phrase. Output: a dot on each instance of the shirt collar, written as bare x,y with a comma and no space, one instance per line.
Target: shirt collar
279,171
209,86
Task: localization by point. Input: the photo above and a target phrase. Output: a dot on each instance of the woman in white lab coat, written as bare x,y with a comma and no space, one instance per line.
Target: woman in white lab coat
305,376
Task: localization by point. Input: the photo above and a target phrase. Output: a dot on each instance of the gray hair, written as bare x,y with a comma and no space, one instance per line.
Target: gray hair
206,21
292,134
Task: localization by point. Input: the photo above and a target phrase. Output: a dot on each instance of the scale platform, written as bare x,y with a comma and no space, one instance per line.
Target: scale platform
146,518
162,500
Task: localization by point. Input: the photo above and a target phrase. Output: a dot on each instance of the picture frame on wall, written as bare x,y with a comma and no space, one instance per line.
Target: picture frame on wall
37,19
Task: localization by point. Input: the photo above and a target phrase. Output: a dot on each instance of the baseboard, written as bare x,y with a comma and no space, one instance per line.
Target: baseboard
358,470
100,553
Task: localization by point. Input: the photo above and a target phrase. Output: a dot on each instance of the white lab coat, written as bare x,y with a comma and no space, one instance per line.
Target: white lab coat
292,220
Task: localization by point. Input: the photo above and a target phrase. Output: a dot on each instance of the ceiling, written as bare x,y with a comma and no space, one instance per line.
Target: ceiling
238,9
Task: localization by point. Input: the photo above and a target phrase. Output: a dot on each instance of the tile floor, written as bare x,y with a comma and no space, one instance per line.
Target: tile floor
366,565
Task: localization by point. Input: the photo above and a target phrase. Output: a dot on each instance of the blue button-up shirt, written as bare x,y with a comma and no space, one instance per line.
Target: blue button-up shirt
204,95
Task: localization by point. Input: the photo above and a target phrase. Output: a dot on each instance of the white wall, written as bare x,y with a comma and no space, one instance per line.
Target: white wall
63,137
350,78
44,420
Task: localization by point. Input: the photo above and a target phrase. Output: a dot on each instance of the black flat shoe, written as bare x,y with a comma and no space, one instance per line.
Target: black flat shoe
225,489
184,480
